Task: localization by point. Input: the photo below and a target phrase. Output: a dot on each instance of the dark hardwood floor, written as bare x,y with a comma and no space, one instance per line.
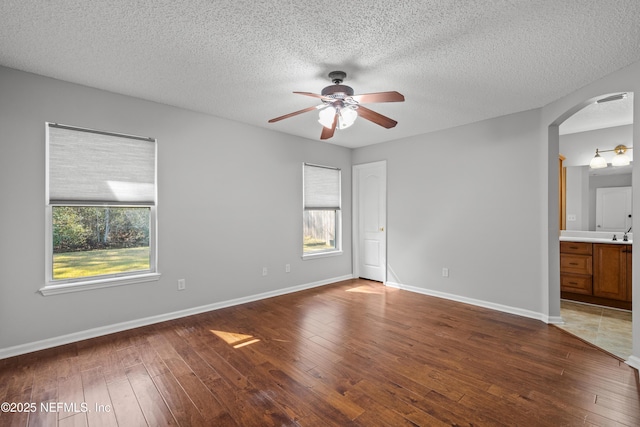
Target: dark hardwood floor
353,353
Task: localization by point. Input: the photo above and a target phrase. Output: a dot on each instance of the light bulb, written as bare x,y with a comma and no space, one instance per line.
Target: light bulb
598,162
326,117
347,117
620,159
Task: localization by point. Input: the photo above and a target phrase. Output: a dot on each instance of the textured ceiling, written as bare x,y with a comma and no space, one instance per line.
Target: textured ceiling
456,62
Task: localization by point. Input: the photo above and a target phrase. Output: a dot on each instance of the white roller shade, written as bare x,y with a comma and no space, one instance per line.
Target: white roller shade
321,187
91,166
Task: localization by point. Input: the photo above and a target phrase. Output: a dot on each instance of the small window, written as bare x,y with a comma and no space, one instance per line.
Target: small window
91,241
321,213
101,208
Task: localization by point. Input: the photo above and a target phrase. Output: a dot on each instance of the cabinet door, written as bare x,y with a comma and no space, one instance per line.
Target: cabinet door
610,271
629,251
576,284
580,248
575,264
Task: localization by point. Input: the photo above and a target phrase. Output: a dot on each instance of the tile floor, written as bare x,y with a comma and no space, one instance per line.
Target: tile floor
608,328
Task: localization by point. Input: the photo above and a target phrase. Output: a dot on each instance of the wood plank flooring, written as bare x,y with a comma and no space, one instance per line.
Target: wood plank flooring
354,353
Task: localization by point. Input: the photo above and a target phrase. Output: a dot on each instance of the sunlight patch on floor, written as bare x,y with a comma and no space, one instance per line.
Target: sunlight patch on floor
234,339
364,289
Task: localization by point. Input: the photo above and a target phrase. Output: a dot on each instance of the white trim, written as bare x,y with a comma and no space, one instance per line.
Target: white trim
480,303
634,362
118,327
554,320
311,255
98,284
355,216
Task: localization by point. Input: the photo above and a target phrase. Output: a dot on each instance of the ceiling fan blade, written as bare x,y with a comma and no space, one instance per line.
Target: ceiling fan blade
314,95
376,118
328,133
379,97
295,113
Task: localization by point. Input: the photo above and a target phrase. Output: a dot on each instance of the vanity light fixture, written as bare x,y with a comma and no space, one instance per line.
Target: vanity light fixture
598,162
620,159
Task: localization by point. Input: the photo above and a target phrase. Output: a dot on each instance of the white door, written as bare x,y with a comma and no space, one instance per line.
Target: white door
613,209
371,198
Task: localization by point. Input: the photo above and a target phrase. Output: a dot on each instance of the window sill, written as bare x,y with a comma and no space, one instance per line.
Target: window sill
98,284
321,255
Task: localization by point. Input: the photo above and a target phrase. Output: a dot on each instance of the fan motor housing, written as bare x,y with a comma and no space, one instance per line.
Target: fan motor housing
337,91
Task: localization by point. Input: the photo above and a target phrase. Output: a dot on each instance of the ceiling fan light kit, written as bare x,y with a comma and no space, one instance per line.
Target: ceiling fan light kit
326,116
347,116
340,107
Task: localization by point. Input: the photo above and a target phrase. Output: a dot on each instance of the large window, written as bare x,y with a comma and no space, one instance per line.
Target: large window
101,209
321,216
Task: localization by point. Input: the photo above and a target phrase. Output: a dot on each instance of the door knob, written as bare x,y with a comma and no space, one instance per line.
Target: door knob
381,228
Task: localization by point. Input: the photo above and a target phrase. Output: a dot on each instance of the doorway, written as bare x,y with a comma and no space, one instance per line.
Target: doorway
370,221
585,133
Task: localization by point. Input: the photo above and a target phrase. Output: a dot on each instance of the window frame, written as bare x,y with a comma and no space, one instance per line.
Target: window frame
58,286
337,250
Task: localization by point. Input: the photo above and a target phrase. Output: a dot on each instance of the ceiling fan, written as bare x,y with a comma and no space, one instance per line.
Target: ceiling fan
340,107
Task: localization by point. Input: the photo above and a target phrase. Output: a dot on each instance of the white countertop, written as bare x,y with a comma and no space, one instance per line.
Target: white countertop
595,237
596,240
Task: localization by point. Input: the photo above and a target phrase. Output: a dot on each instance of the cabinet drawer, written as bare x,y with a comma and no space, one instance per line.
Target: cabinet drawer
576,284
577,264
582,248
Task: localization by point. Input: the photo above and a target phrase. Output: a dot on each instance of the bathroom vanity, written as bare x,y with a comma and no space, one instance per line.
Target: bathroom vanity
596,269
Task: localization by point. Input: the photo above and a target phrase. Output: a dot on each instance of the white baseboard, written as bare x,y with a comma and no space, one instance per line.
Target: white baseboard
480,303
634,362
554,320
118,327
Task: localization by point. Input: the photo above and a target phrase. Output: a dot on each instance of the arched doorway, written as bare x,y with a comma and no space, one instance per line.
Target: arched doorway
594,128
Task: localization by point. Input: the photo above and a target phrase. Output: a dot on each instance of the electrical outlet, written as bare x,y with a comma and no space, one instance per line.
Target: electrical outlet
445,272
182,284
287,268
265,271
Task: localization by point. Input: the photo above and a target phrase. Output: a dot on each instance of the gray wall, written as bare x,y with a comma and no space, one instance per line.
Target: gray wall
481,200
467,199
229,203
577,186
579,148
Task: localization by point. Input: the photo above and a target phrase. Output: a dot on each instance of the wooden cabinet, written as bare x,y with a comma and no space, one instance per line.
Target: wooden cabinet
612,271
629,275
576,265
598,273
